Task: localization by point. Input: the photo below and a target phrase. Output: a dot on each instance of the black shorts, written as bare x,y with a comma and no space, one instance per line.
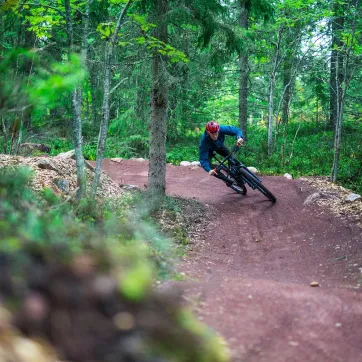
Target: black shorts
223,151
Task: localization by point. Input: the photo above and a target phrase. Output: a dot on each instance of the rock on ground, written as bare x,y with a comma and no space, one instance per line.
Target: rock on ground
333,197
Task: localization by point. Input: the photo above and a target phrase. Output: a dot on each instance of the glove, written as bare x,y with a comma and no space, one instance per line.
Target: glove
212,172
239,141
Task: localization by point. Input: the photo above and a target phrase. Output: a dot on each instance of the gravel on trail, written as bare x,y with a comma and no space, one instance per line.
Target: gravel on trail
280,282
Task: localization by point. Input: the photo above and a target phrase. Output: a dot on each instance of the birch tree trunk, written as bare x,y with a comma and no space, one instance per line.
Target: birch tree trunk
94,96
271,112
77,121
338,129
103,130
244,73
343,76
335,71
4,129
271,93
157,155
85,51
287,79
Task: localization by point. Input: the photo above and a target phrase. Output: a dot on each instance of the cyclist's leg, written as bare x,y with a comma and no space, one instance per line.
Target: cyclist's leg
223,151
232,162
213,165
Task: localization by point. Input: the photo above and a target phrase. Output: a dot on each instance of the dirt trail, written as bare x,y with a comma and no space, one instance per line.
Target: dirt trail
250,277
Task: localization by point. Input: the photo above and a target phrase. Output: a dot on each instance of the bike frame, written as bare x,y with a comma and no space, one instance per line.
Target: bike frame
233,169
237,174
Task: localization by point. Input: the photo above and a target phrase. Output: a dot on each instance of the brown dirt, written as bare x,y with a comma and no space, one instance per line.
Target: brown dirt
250,277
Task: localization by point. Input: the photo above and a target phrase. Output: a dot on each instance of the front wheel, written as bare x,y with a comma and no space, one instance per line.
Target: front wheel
255,183
266,192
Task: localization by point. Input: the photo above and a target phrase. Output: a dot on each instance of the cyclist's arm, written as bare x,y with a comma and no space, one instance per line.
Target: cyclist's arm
232,131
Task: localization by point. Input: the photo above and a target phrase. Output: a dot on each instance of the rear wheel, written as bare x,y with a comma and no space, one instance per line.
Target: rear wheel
237,185
240,189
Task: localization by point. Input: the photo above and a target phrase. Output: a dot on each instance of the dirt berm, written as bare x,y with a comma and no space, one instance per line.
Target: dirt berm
250,277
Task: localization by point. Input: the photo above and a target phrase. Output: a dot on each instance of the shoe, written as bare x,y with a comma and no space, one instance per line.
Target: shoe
228,184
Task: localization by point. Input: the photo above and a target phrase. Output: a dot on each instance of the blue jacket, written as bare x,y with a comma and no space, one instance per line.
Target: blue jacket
208,146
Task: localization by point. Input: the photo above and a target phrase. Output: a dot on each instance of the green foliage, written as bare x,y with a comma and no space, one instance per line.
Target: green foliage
106,29
311,154
59,145
133,146
41,19
44,240
13,92
136,282
43,218
215,349
124,121
61,78
32,217
142,21
182,152
9,4
164,49
35,94
90,150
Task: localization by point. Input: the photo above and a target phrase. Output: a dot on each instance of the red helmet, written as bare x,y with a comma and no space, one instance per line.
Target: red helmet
212,127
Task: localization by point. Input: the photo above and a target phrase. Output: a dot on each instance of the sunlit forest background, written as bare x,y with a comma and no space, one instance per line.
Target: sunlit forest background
287,72
140,78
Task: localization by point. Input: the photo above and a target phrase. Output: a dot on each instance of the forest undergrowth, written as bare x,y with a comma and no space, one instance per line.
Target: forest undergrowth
97,264
302,149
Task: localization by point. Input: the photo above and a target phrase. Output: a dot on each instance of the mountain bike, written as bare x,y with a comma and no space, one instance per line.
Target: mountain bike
236,175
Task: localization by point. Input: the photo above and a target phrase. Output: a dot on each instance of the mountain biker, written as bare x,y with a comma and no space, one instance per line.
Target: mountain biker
213,141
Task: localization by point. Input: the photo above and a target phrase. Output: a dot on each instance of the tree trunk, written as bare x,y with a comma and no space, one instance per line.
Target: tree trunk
85,51
94,99
337,140
244,73
343,76
77,121
271,112
287,80
28,68
103,130
335,72
85,48
273,71
339,118
4,129
78,141
157,166
105,119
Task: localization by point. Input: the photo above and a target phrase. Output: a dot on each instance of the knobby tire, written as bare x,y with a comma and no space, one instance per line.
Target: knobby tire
237,186
266,192
258,185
